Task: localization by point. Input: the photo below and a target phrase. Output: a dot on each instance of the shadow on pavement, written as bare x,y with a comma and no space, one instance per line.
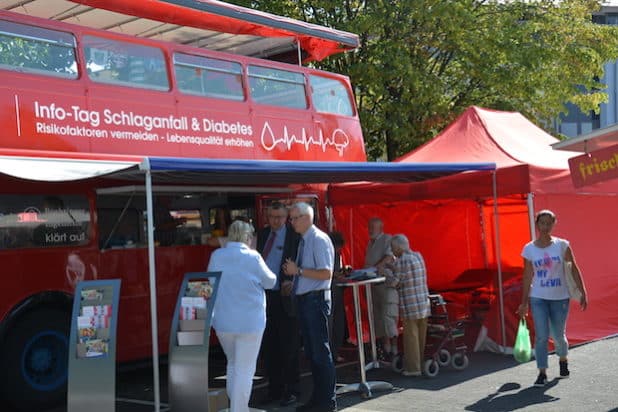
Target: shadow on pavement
481,364
134,383
496,402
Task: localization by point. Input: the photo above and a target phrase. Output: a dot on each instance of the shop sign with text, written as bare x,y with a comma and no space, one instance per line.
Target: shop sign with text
594,167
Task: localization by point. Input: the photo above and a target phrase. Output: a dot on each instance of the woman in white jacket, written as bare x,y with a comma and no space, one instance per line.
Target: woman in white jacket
239,315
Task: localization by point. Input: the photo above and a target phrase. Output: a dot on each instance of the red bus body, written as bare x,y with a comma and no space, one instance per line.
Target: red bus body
78,115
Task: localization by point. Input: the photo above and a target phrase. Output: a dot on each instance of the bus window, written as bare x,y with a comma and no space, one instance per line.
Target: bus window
115,62
204,76
43,221
277,87
221,217
120,227
122,221
36,50
311,200
330,96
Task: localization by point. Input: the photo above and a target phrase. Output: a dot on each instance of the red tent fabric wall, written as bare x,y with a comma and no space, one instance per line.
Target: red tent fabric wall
451,220
445,232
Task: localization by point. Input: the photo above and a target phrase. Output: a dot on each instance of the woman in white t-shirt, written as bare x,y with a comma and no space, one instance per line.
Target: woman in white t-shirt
545,285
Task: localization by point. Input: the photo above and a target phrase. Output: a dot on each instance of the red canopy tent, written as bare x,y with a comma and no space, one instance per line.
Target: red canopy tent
451,220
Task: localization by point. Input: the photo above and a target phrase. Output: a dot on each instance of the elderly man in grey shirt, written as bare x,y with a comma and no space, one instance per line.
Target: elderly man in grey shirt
312,273
385,299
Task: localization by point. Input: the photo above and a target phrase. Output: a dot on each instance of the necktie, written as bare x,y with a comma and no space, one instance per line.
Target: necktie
299,255
299,262
269,244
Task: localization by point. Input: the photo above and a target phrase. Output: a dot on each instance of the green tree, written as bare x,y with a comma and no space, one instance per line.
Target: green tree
422,62
32,55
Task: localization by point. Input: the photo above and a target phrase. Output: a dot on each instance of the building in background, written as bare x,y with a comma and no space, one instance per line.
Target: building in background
577,123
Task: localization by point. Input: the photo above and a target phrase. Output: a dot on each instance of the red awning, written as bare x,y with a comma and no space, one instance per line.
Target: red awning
317,41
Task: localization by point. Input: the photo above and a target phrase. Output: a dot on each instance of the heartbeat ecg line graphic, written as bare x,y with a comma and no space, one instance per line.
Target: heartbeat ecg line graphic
338,139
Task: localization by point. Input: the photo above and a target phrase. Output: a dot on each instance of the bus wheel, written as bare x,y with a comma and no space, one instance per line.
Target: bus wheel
34,360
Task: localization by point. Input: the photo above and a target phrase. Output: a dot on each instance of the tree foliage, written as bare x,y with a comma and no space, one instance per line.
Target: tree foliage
423,62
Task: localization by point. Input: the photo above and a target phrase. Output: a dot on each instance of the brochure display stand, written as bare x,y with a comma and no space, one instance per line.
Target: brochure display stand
189,342
92,347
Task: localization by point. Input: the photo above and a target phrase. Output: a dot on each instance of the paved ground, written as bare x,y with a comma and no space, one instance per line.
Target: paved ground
492,382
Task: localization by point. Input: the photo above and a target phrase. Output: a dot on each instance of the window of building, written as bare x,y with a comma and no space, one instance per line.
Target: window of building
115,62
330,96
612,19
37,50
277,87
34,221
204,76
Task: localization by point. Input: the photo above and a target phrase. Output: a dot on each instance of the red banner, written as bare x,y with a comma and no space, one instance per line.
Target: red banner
594,167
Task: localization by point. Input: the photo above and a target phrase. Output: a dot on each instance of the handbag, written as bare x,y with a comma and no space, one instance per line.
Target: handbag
574,291
522,350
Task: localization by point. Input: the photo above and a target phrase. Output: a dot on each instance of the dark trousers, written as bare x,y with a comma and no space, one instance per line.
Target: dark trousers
281,346
337,321
313,313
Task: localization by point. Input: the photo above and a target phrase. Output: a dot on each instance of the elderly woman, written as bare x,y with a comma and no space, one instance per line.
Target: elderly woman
239,316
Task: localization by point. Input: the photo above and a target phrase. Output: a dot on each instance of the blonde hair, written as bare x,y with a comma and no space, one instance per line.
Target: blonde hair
240,231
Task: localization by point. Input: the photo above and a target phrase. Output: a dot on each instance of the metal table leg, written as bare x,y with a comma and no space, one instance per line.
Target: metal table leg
364,387
372,332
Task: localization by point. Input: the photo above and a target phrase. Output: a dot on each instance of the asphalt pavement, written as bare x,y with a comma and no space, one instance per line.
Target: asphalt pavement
491,382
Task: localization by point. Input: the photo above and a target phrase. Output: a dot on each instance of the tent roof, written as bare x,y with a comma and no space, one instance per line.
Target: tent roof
481,135
58,166
209,24
522,152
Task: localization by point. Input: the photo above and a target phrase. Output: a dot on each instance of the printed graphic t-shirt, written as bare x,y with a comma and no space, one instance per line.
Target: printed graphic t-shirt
548,279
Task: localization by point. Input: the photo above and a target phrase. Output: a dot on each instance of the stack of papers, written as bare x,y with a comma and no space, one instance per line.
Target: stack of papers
364,274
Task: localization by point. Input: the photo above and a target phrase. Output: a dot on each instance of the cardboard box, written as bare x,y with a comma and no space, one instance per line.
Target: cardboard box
191,325
217,399
190,338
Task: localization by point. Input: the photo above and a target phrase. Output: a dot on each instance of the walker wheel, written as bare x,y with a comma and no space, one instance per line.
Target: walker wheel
431,368
444,357
460,361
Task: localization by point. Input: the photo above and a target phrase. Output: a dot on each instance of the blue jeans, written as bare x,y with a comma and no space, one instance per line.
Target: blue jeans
313,312
549,317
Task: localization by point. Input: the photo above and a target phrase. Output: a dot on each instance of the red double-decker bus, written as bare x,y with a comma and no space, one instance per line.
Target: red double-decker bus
89,91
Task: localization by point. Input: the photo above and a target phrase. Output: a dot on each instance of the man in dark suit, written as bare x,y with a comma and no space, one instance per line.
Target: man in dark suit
281,346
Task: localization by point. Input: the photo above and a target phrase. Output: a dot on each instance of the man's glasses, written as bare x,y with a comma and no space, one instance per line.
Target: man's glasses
295,218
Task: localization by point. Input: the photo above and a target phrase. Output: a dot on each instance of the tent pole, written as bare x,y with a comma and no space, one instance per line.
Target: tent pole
153,291
530,201
351,237
498,261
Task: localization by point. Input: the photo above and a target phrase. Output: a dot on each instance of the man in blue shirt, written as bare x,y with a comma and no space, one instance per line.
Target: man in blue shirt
281,346
312,273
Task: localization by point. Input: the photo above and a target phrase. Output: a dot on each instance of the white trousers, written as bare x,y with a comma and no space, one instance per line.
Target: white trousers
241,351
